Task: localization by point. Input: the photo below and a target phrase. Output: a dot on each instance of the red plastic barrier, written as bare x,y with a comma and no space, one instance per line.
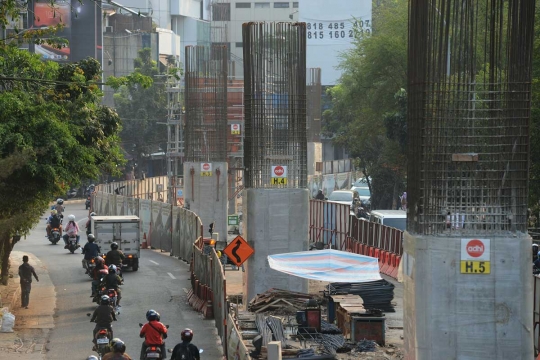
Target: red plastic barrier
396,267
386,262
371,251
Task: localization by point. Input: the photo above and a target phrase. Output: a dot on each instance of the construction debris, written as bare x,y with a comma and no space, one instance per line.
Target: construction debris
276,299
376,294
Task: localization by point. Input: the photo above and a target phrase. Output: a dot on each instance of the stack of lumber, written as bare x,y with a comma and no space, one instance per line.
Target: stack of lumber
376,294
275,299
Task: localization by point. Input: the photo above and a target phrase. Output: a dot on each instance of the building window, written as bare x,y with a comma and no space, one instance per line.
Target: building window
262,5
243,5
281,5
295,4
239,44
221,12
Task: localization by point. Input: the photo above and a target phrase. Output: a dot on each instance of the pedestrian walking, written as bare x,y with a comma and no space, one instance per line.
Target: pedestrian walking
25,274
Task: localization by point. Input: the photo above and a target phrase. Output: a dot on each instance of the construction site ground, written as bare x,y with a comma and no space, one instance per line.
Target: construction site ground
393,348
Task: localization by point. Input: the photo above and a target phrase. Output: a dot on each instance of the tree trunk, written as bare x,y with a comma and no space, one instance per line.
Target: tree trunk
6,252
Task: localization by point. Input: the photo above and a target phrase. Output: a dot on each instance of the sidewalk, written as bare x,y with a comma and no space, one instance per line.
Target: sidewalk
32,325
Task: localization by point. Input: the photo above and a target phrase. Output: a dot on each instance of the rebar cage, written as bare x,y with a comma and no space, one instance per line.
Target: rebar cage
275,104
468,116
206,103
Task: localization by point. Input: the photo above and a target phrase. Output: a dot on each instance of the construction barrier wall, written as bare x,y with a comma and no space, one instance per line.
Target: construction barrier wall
178,231
333,225
536,314
154,188
327,183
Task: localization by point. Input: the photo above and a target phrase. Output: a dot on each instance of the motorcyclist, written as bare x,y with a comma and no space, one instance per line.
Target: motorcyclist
72,228
54,222
320,195
103,316
90,251
153,333
113,281
118,351
184,348
88,225
59,207
99,271
115,256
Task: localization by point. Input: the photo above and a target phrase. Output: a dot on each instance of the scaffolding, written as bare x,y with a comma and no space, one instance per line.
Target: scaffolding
468,116
275,144
206,103
314,107
175,142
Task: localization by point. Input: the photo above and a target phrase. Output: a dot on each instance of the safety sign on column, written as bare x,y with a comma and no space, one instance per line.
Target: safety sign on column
475,256
279,175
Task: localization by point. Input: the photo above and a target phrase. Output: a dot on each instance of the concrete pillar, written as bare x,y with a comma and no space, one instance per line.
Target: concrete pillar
275,222
274,350
449,315
314,155
207,196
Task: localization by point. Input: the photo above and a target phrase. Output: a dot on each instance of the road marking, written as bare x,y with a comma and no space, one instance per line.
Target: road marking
152,261
172,276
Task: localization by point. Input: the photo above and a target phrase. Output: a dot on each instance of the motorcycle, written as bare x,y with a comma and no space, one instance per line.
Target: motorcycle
113,297
72,243
55,236
90,266
87,202
153,351
102,341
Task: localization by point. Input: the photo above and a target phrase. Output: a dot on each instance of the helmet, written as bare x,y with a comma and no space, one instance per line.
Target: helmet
114,341
112,268
186,335
114,246
93,214
99,259
105,300
92,357
538,254
152,315
119,346
91,238
59,201
534,245
54,212
71,217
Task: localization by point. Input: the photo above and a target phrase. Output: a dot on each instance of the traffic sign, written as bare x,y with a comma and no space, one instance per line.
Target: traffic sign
206,169
232,220
238,251
235,129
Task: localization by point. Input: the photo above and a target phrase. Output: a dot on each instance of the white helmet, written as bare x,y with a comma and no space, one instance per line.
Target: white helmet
71,217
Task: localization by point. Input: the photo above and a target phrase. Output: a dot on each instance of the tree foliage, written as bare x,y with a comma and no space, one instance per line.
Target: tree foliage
368,114
143,108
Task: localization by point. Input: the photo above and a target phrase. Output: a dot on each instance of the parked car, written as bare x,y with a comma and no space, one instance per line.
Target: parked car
365,194
393,218
347,197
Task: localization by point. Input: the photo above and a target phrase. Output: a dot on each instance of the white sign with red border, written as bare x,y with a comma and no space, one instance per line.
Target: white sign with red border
206,169
235,129
475,250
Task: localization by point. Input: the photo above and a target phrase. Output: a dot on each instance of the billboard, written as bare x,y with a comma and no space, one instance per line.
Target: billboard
82,28
329,26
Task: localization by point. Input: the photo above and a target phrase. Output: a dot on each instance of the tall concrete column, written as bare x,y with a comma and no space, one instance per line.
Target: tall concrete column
275,222
450,315
205,193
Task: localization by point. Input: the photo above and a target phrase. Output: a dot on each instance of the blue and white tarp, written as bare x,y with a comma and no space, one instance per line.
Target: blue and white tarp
327,265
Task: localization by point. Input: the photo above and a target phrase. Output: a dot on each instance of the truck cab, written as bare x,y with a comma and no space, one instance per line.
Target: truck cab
124,230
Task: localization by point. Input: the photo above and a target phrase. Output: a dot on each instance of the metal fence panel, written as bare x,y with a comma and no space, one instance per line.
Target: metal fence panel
132,206
218,286
166,232
236,349
145,215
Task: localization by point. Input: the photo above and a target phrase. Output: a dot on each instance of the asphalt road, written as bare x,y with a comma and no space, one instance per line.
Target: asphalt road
161,284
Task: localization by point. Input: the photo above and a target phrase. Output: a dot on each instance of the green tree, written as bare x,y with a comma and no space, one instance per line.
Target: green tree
141,110
368,112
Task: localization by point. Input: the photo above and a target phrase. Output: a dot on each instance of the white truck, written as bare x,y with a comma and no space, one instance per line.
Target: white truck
124,230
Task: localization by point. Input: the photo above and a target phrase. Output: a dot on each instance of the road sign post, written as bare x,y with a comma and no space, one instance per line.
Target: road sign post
238,251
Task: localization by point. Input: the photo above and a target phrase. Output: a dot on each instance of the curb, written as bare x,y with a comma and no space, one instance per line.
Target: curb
16,295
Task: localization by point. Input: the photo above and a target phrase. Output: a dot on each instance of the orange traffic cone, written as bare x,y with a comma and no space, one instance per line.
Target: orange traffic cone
144,244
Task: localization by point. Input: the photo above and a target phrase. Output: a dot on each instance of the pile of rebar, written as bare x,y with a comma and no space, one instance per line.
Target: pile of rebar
377,295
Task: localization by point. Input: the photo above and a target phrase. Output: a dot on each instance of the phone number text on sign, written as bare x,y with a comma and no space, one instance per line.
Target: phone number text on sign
332,30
